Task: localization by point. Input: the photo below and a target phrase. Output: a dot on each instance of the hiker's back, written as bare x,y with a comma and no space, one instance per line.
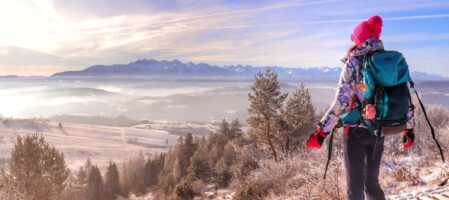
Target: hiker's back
386,77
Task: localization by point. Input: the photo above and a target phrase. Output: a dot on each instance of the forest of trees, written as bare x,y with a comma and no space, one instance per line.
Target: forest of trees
40,172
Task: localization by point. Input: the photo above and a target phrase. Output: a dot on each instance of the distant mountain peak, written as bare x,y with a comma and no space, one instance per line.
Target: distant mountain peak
151,67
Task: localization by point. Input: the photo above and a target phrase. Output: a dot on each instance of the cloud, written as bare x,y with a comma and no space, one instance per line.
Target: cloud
14,56
363,8
78,34
355,20
416,37
35,70
418,17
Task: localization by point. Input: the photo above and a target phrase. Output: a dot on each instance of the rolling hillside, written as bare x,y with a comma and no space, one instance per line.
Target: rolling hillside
100,143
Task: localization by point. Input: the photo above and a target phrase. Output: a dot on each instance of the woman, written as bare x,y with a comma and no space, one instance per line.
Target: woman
362,148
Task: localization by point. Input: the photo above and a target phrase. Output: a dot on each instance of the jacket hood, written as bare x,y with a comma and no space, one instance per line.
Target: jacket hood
368,46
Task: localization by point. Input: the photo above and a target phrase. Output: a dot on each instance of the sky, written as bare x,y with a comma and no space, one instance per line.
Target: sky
41,37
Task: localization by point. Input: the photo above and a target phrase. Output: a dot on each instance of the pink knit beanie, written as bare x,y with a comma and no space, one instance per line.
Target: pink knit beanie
367,29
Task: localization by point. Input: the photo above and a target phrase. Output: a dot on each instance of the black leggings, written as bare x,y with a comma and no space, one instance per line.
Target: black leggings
362,171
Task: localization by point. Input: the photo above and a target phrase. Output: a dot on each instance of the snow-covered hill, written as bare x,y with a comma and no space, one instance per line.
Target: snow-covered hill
100,143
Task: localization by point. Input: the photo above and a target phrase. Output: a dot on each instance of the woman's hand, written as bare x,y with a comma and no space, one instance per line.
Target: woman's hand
316,139
409,138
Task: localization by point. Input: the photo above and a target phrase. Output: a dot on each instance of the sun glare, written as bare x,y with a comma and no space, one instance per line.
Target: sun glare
12,106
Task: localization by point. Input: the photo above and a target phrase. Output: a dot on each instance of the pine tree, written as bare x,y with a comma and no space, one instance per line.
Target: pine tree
223,174
229,154
167,180
236,129
199,167
298,118
132,176
73,190
266,101
40,169
225,129
189,149
124,179
82,176
177,170
153,169
184,149
94,184
87,166
112,182
216,143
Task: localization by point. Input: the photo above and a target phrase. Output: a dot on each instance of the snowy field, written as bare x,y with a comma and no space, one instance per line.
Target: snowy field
100,143
427,180
436,193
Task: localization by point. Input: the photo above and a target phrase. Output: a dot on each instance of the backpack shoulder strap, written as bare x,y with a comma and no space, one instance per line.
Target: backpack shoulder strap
412,105
432,130
329,153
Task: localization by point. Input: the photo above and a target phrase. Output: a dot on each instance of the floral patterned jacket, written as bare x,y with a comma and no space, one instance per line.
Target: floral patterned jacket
351,76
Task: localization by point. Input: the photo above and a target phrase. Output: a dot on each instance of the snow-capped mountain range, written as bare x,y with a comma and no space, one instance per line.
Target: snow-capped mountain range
151,67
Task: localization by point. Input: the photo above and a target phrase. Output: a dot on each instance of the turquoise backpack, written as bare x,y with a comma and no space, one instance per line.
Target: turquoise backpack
385,82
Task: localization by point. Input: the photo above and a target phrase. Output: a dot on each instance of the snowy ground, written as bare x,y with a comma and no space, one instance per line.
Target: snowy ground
424,180
435,193
100,143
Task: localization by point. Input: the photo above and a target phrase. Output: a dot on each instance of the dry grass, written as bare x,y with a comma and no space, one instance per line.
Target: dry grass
10,189
301,176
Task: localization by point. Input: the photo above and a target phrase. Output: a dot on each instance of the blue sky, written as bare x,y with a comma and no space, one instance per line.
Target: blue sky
40,37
